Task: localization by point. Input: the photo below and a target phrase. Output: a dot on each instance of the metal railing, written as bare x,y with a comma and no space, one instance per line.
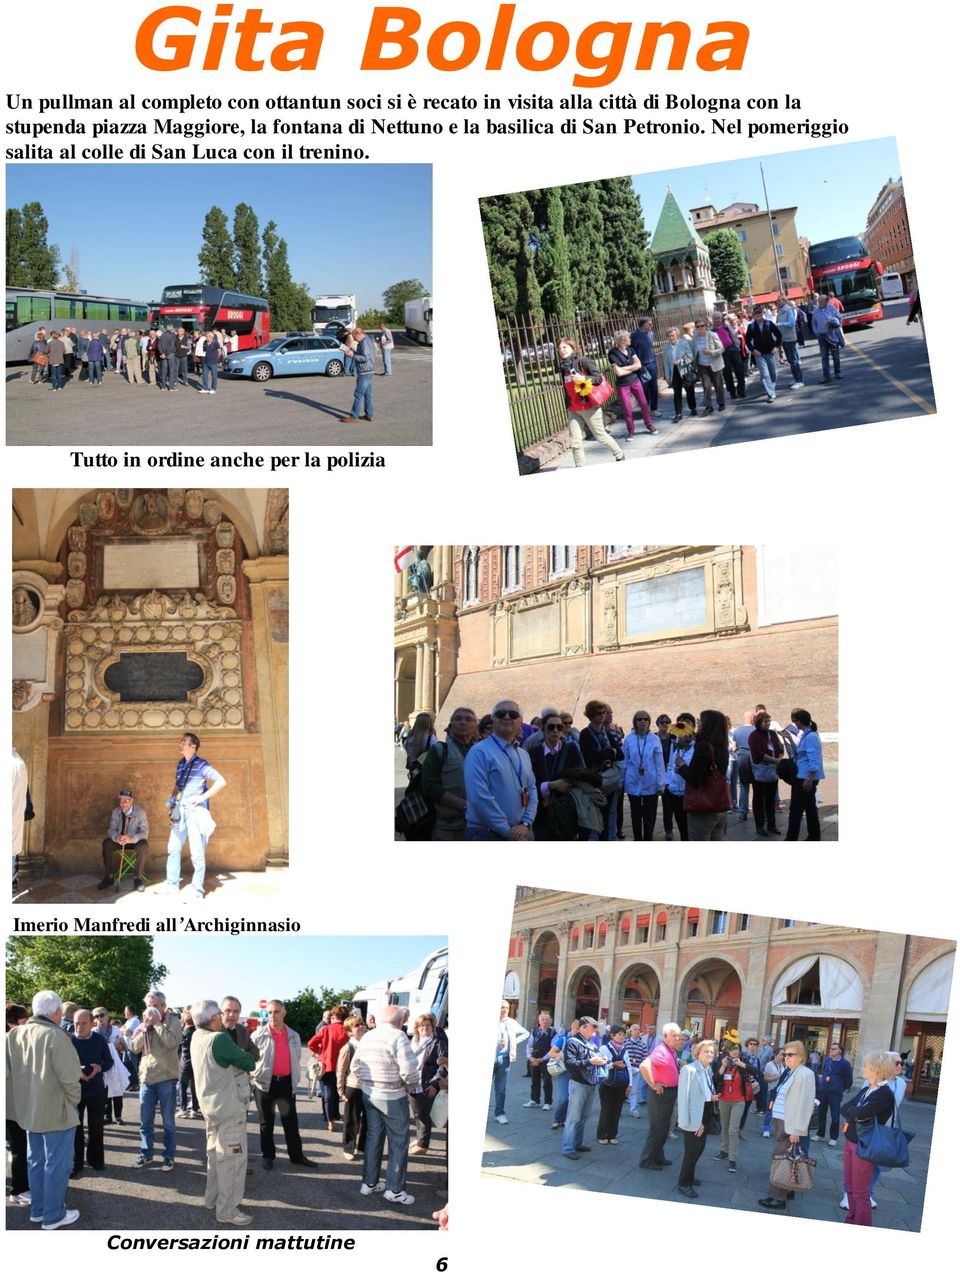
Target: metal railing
531,369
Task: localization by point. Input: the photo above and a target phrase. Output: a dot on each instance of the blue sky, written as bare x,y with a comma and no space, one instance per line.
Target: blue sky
833,187
255,967
349,227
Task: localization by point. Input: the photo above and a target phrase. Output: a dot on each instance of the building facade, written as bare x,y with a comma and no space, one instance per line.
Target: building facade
139,614
650,962
672,628
763,253
887,235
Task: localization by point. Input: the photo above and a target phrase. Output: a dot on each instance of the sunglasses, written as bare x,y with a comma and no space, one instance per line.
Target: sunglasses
506,715
552,728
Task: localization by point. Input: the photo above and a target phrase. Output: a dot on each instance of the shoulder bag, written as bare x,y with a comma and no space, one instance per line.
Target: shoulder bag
712,797
792,1170
556,1067
591,396
884,1145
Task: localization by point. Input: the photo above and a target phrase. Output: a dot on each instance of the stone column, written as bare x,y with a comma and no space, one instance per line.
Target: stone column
607,985
669,986
418,684
881,994
562,1009
754,1013
528,984
429,680
268,577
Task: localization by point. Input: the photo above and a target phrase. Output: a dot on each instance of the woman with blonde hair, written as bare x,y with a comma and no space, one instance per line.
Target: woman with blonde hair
695,1099
679,370
875,1099
629,373
793,1102
430,1049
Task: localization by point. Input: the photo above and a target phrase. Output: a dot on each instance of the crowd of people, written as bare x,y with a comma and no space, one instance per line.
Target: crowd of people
160,357
719,352
69,1066
694,1087
498,777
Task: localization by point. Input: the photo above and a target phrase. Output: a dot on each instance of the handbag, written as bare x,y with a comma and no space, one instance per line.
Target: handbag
884,1145
591,398
754,1086
792,1170
439,1111
712,797
41,359
688,372
711,1119
765,771
611,778
556,1067
787,769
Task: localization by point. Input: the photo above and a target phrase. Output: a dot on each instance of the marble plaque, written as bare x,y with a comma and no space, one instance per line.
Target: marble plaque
30,655
671,603
166,563
536,632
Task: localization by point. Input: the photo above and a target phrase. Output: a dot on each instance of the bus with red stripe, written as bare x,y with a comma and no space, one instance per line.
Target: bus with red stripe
199,307
844,268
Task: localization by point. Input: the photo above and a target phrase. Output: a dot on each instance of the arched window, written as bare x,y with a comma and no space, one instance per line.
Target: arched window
512,568
563,560
471,575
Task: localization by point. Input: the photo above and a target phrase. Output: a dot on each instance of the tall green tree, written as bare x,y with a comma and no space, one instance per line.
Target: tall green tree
290,303
583,217
16,266
727,265
246,241
41,260
91,970
625,237
510,235
397,295
305,1009
553,259
216,255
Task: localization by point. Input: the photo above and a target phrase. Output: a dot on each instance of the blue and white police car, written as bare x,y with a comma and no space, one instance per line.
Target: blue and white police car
297,354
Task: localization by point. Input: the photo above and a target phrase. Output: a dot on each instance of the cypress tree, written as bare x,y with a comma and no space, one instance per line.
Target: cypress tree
583,217
216,253
246,241
508,233
629,264
553,260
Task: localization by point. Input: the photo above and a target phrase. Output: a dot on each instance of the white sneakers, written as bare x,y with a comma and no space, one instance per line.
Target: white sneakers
367,1189
546,1107
531,1104
833,1143
502,1119
239,1219
70,1216
401,1198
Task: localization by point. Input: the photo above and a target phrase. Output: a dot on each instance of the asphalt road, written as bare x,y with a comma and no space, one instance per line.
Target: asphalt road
301,410
886,375
292,1198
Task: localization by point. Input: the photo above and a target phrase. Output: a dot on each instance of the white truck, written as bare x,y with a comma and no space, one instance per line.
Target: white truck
418,320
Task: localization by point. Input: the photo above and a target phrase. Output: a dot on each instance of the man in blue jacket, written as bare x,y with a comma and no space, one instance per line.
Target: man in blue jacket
763,337
362,350
834,1078
641,342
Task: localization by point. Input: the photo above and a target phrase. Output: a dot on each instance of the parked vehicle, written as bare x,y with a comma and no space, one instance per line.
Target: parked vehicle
290,355
418,320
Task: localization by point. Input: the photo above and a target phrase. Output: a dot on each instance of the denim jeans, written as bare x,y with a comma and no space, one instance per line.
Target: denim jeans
49,1162
165,1094
744,801
95,372
387,361
767,366
501,1068
793,357
610,828
363,396
56,372
386,1120
578,1110
637,1085
187,828
826,349
733,778
561,1097
208,376
182,367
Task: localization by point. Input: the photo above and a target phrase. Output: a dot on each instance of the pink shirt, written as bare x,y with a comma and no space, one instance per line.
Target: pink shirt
281,1052
663,1065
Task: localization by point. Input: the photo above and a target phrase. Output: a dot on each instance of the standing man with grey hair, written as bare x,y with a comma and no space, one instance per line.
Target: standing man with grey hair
387,1070
43,1091
223,1089
501,787
230,1012
661,1073
275,1085
155,1041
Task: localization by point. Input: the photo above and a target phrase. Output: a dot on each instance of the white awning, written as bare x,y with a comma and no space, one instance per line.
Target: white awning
930,993
511,985
840,988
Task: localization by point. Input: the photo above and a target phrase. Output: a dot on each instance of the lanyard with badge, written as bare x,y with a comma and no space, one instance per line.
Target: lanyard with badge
524,793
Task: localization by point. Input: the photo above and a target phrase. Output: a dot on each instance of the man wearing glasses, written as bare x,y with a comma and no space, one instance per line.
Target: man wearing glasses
793,1102
835,1077
501,788
661,1073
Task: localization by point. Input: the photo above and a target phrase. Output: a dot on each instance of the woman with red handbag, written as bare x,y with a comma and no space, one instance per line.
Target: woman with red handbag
706,797
586,391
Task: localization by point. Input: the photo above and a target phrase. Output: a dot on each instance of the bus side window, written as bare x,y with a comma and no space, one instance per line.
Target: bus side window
11,315
32,309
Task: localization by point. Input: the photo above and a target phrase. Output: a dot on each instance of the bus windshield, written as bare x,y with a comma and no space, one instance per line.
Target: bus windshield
181,296
835,251
856,289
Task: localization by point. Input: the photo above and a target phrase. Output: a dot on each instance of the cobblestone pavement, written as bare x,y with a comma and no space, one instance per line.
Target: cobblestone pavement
527,1150
289,1197
737,828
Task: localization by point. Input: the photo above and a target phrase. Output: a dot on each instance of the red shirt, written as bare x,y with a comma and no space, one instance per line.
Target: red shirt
332,1041
281,1052
663,1065
733,1084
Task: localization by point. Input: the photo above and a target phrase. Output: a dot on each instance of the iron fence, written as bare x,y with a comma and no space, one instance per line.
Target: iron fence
531,368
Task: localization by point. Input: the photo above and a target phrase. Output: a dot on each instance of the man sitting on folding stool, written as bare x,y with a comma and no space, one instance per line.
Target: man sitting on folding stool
125,847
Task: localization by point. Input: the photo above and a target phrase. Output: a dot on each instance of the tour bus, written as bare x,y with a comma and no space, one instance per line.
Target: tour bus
199,307
28,309
423,989
891,286
339,309
843,268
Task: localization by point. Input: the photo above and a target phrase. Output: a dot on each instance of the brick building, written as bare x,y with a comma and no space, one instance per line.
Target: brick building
887,235
649,961
670,628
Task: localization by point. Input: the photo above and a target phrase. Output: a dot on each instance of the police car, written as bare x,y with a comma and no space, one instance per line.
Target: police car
297,354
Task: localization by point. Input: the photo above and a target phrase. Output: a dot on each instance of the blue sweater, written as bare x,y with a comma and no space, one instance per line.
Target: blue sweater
93,1050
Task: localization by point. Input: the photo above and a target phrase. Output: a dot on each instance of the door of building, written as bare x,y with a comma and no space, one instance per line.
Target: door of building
923,1042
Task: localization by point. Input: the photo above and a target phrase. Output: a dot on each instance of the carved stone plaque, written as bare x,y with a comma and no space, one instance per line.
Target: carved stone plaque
154,677
166,563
